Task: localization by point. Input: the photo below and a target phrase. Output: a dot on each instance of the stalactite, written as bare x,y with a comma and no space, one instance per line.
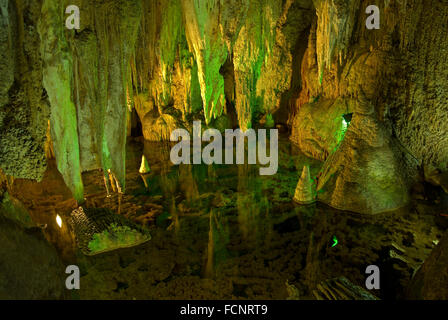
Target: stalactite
336,21
57,79
208,46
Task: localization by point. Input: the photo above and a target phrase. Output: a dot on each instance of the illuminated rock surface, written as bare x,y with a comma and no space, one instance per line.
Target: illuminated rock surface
305,190
364,174
235,63
366,108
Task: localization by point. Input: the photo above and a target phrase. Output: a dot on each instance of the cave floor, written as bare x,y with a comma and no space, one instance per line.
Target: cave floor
225,232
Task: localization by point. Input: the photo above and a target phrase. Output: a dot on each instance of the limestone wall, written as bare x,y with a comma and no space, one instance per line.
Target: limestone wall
228,63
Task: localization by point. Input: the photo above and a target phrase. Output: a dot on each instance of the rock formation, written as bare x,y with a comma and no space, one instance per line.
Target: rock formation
366,107
163,64
388,142
144,166
30,268
24,108
365,174
318,127
305,190
431,280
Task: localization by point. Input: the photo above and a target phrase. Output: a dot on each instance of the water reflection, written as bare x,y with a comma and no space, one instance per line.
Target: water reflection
218,239
224,231
249,227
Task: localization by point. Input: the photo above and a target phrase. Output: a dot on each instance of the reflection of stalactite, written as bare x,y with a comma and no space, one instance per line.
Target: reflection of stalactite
211,174
174,217
209,264
158,156
110,177
244,203
218,238
243,170
120,198
187,182
250,202
112,180
106,185
311,269
145,179
168,184
317,242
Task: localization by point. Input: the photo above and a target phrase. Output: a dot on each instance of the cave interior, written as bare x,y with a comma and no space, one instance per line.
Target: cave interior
353,95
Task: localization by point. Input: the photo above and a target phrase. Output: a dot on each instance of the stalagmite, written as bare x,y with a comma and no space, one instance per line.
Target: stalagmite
144,167
112,182
304,191
106,185
210,248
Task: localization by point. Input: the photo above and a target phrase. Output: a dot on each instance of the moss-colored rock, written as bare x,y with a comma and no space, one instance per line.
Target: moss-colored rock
431,280
365,174
14,210
318,128
30,267
23,105
306,189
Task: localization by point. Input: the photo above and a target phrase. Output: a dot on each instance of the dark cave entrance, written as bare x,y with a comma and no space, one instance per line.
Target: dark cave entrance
288,99
348,118
227,71
136,125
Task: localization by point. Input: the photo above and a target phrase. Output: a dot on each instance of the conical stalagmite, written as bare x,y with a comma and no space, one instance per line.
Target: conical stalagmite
144,167
304,191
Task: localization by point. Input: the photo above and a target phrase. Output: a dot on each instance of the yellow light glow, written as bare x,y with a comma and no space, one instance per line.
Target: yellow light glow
59,221
144,167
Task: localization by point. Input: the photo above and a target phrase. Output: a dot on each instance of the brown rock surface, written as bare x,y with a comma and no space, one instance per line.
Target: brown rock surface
24,106
318,126
431,280
364,174
305,190
298,61
30,267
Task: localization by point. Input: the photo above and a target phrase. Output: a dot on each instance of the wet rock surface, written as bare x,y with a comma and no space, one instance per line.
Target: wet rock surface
431,280
149,67
364,174
30,267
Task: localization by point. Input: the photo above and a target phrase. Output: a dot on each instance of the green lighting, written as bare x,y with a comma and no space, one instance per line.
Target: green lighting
344,124
335,241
